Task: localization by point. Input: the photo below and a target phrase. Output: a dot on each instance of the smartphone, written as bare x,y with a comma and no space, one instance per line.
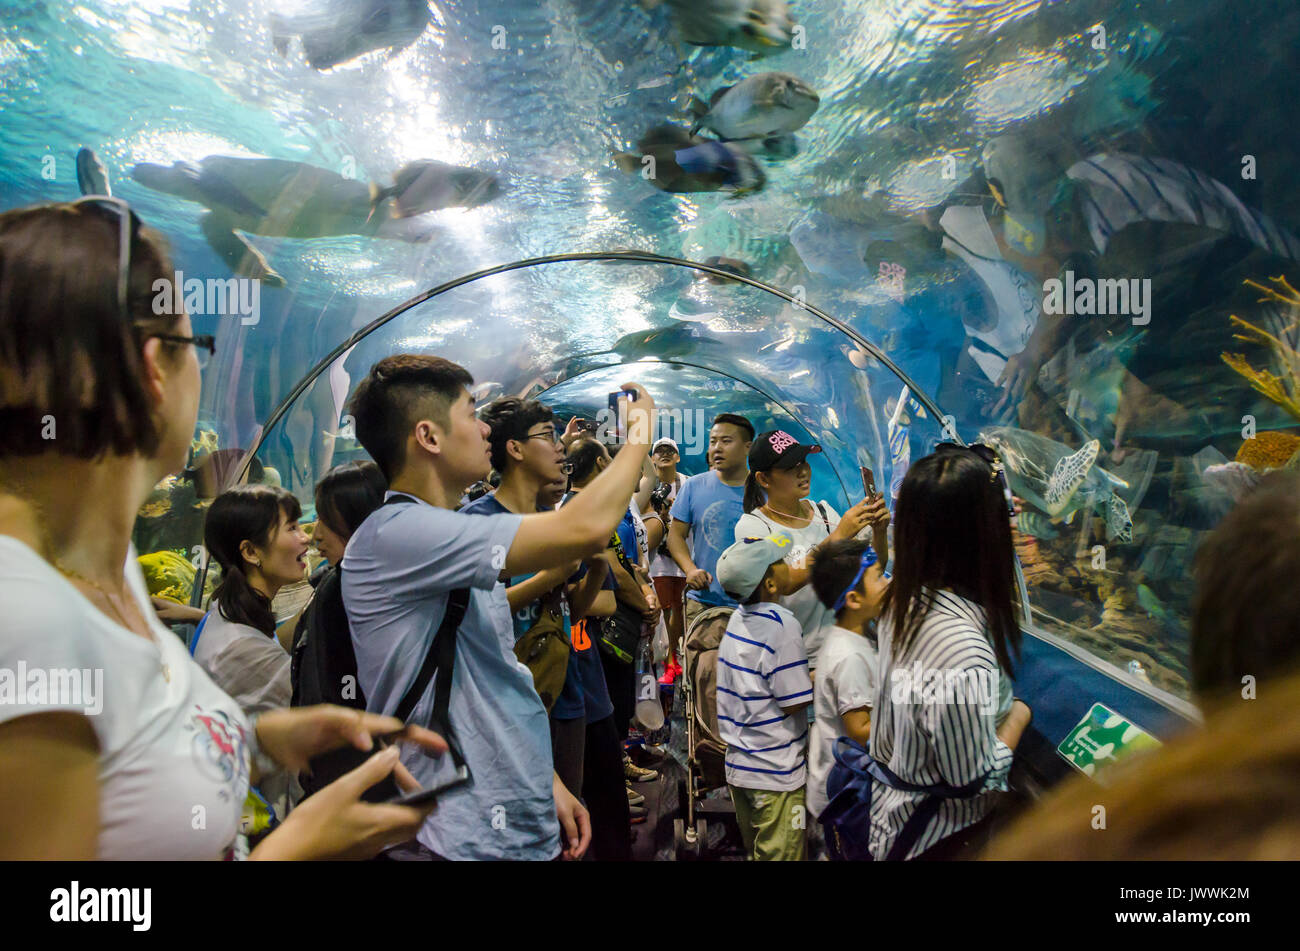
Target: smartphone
617,419
868,482
423,796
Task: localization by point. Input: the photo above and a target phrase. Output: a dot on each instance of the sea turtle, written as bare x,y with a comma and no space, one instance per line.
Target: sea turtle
1056,482
277,198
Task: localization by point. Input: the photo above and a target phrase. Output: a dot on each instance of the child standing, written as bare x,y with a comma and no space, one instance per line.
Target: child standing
763,693
848,580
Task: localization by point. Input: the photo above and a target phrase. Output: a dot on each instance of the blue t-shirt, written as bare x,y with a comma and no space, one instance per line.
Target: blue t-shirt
398,570
569,704
712,509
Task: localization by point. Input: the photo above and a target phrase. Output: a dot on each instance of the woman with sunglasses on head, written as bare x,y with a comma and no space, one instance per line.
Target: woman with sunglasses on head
944,723
776,500
136,753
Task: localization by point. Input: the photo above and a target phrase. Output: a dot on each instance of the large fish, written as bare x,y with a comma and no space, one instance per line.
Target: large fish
335,31
760,26
768,107
273,197
428,185
687,163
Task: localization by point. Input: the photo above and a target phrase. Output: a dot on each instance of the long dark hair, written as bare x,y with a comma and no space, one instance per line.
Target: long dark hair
347,494
755,497
245,513
951,531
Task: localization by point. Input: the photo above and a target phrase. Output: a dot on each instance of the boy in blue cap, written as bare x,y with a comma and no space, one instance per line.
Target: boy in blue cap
763,692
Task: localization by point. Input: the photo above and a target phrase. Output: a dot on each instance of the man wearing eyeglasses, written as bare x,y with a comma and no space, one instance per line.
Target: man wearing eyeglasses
529,456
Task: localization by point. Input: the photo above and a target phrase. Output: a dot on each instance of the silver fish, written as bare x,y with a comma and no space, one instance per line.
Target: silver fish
767,106
335,31
760,26
428,185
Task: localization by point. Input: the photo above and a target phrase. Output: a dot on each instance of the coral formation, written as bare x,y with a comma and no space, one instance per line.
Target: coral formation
1268,450
1283,390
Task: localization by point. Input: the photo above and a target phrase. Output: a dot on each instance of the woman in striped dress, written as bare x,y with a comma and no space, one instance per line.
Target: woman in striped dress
945,725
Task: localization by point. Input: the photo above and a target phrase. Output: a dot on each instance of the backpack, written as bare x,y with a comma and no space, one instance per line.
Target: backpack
323,668
544,650
846,820
323,661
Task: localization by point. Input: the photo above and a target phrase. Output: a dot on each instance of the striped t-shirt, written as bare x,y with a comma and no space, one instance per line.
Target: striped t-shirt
762,669
935,721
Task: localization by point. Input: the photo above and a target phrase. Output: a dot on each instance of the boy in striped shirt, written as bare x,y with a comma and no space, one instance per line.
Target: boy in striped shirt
763,692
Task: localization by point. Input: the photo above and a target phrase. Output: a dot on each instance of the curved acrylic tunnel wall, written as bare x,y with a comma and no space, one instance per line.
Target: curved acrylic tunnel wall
569,331
963,156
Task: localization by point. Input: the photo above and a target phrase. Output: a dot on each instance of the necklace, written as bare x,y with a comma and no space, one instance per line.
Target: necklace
805,518
67,572
108,599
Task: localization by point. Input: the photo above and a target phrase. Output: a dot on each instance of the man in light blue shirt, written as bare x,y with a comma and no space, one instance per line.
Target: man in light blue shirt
415,416
708,507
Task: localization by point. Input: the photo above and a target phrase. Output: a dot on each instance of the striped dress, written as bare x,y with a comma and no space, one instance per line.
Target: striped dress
935,721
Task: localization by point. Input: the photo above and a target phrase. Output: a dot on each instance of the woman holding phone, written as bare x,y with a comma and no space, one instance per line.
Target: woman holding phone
776,499
147,758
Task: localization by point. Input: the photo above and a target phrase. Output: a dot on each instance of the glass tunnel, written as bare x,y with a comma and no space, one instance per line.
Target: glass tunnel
1063,230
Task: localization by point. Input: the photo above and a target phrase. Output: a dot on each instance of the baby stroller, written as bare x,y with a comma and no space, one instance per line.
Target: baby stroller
706,753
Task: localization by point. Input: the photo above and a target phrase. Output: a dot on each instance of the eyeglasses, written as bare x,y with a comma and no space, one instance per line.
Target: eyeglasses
205,345
554,439
989,455
868,559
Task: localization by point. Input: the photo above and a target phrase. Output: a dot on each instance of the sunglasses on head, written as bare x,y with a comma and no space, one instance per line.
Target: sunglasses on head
118,211
990,456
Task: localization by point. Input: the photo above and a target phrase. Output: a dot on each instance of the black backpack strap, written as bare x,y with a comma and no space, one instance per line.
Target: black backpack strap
925,810
441,659
821,507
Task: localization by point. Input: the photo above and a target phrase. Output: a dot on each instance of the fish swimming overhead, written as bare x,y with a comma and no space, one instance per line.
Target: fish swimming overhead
768,106
335,31
276,198
92,176
428,185
674,161
760,26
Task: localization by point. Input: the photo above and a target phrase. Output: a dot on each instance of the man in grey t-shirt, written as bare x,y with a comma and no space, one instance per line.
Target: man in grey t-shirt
415,416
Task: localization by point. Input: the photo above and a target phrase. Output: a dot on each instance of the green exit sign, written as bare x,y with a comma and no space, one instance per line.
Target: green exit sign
1101,738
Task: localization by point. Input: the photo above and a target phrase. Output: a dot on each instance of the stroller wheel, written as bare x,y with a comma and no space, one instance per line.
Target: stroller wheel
688,848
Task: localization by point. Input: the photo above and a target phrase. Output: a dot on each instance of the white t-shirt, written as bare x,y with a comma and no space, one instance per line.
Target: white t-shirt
846,680
174,757
813,616
663,566
249,666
